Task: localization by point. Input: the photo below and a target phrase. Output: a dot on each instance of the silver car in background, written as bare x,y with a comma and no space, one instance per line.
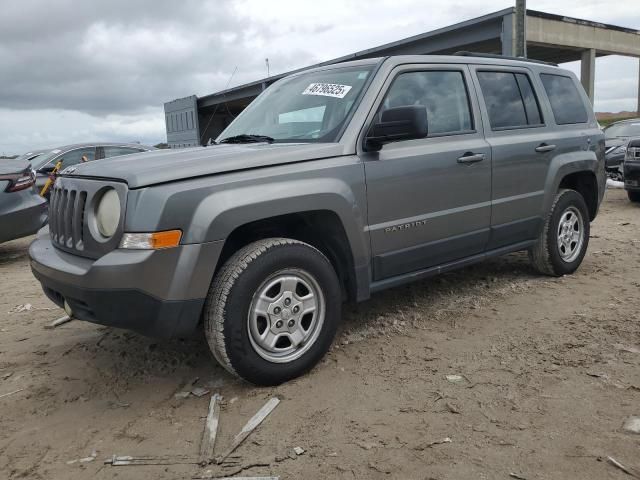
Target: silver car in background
22,211
73,154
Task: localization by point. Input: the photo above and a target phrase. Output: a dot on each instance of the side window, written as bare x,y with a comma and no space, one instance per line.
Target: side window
115,151
566,102
76,156
510,100
531,106
442,93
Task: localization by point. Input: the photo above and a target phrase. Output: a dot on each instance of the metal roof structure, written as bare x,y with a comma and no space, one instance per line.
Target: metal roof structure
552,38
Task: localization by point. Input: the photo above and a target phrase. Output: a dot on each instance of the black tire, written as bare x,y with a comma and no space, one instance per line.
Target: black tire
226,312
546,255
633,196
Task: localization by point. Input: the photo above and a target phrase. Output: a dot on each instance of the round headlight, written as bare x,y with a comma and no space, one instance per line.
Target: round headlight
108,213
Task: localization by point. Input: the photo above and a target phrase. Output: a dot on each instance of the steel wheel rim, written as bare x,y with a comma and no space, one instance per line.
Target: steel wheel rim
570,234
286,315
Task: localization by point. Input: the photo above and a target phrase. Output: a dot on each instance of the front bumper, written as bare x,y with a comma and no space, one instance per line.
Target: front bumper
156,293
631,172
613,162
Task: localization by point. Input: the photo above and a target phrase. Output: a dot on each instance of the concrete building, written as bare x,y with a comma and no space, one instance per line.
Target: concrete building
194,120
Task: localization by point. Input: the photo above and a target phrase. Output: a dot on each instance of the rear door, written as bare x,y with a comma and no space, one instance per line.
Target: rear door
522,149
429,199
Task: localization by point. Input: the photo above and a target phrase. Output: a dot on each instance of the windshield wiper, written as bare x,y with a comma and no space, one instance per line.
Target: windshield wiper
247,138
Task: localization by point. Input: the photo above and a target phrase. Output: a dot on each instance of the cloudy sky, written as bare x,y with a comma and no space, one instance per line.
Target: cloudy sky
73,70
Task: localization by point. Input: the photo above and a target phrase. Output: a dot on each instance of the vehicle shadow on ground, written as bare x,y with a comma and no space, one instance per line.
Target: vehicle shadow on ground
127,358
466,286
14,251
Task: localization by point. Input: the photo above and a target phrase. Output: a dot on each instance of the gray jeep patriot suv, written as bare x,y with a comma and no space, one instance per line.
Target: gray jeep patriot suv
335,183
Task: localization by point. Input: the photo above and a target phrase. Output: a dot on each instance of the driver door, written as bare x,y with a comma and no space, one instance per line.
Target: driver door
429,198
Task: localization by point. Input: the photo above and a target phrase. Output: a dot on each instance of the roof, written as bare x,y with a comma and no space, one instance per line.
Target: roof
626,120
101,144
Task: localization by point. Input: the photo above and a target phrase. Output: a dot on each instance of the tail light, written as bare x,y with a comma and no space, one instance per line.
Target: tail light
19,181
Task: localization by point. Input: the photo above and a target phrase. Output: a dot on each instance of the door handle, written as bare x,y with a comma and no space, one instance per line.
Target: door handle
471,157
543,147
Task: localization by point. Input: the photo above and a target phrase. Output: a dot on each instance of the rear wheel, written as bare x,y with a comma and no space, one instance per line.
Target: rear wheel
272,310
633,196
565,236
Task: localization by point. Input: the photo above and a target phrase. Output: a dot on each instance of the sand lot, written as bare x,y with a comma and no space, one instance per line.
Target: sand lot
549,367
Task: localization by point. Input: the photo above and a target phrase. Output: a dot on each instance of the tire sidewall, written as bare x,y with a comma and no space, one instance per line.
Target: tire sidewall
243,358
567,199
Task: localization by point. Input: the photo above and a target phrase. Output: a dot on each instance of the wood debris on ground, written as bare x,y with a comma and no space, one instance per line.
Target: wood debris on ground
210,431
58,322
130,460
251,425
207,446
11,393
628,470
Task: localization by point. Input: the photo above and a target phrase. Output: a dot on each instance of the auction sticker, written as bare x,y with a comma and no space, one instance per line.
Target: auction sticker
327,90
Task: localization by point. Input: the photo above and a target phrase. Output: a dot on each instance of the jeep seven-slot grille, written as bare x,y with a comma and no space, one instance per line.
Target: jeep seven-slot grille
66,217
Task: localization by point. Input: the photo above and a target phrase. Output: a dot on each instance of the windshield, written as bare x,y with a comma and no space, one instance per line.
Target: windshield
310,107
43,159
28,156
630,129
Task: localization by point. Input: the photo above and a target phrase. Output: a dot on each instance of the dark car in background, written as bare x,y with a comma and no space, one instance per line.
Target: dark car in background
631,169
73,154
22,210
617,136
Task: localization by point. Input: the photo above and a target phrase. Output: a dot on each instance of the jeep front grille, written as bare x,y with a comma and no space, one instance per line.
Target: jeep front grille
66,217
72,224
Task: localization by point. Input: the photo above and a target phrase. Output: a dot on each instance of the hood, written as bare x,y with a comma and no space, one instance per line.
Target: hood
615,142
612,143
15,165
159,166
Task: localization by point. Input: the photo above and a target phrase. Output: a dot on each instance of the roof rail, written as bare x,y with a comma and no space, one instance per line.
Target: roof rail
465,53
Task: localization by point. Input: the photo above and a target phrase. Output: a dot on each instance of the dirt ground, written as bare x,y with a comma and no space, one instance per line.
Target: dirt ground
549,372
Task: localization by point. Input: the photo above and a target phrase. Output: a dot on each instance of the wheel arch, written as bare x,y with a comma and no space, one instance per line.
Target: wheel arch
574,171
322,229
586,184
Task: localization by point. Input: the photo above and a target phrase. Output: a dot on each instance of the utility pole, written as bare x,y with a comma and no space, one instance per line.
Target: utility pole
266,60
521,28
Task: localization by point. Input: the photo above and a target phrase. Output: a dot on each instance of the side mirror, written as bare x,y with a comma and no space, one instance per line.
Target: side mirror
398,123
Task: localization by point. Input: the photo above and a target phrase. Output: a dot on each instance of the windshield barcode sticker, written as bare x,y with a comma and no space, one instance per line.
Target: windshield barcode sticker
327,89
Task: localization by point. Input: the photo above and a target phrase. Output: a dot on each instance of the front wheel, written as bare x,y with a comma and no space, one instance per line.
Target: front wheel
564,239
272,311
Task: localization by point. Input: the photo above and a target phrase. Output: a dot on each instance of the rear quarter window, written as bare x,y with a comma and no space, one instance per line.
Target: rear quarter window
566,102
510,100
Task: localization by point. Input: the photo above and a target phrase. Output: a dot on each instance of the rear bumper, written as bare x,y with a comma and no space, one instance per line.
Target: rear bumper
24,218
156,293
631,171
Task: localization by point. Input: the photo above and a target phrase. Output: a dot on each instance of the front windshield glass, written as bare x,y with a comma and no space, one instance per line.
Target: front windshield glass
310,107
28,156
630,129
42,159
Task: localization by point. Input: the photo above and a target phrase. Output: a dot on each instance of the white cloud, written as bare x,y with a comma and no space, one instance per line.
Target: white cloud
75,71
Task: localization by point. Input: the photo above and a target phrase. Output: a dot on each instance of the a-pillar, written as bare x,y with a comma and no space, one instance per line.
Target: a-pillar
588,72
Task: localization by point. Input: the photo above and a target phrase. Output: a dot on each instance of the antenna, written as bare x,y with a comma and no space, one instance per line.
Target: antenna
266,60
216,109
